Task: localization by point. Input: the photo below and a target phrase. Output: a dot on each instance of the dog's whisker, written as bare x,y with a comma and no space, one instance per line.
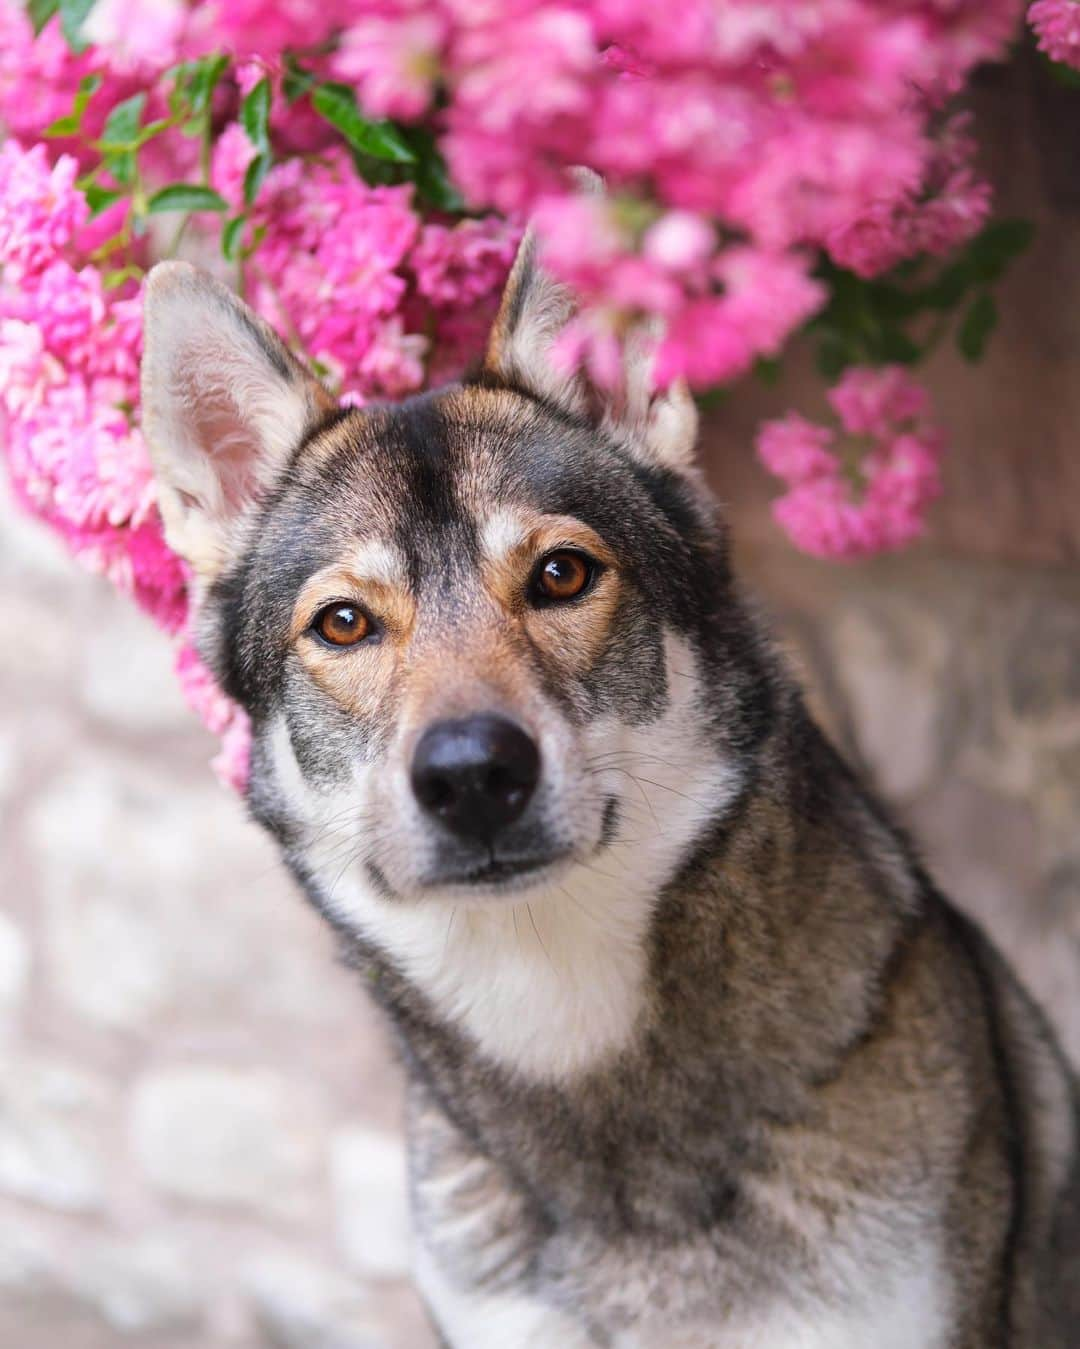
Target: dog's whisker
536,930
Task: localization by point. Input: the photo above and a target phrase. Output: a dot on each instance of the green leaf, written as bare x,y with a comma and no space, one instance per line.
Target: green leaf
73,14
978,323
99,198
122,124
1060,73
768,369
377,172
255,115
121,164
186,197
204,80
296,82
382,140
71,124
999,243
119,138
950,287
120,275
891,302
232,237
152,129
895,345
430,175
708,400
833,357
254,177
39,12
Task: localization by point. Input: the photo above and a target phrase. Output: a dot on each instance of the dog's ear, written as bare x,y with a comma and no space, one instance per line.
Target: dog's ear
661,427
224,405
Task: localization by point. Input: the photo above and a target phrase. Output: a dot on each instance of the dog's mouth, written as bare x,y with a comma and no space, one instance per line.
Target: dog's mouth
498,874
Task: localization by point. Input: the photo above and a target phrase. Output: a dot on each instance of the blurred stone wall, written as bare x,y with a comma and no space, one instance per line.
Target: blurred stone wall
199,1118
954,686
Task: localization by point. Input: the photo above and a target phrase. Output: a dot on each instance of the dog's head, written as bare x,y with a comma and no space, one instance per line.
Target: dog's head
486,636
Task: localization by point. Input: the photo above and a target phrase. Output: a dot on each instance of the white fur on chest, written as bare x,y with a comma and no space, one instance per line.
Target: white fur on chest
906,1308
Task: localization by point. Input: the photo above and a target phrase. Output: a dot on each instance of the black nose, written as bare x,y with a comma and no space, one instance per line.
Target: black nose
475,775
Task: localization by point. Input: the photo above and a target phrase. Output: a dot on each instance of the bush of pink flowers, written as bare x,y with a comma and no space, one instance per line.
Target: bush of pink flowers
361,171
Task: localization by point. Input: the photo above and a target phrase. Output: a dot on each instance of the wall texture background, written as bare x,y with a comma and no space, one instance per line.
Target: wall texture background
198,1111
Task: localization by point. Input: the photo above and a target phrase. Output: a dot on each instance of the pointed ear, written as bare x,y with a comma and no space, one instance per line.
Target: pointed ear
659,427
224,405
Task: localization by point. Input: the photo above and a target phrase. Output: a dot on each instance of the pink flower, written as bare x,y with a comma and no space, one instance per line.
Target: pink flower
1057,23
270,26
156,578
591,342
456,266
873,401
679,242
38,76
232,154
220,715
69,308
232,763
951,208
27,371
394,62
821,518
717,338
145,35
823,513
41,208
797,450
201,690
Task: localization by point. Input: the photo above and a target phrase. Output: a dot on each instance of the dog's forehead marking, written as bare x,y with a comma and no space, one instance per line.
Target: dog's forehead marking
502,531
378,561
505,531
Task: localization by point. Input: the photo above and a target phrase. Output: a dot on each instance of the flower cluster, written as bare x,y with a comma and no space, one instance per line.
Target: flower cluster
69,367
1057,23
864,491
735,142
380,296
362,172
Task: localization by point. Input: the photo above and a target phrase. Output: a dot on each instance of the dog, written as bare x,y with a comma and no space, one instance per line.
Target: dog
697,1055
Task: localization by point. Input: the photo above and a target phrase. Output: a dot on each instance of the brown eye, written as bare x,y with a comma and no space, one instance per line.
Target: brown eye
342,624
562,576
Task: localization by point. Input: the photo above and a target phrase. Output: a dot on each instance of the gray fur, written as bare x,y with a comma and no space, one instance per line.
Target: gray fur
828,1116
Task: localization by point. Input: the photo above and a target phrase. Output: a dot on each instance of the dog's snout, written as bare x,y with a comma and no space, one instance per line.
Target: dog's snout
475,775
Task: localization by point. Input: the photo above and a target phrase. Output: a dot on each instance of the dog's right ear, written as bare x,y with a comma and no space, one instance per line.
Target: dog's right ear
224,406
660,427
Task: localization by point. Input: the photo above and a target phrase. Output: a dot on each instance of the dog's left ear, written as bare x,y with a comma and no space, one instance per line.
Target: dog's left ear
660,427
224,406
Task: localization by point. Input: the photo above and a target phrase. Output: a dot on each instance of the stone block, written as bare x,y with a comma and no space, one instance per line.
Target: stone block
301,1305
14,967
220,1136
51,1125
368,1173
890,663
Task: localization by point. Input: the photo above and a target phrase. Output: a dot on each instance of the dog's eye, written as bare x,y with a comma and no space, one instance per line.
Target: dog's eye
563,575
342,624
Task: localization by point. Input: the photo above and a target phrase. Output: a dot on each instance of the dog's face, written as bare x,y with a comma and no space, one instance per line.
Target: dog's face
486,636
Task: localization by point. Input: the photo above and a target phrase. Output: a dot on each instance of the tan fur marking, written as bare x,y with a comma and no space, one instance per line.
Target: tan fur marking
449,677
571,635
374,577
